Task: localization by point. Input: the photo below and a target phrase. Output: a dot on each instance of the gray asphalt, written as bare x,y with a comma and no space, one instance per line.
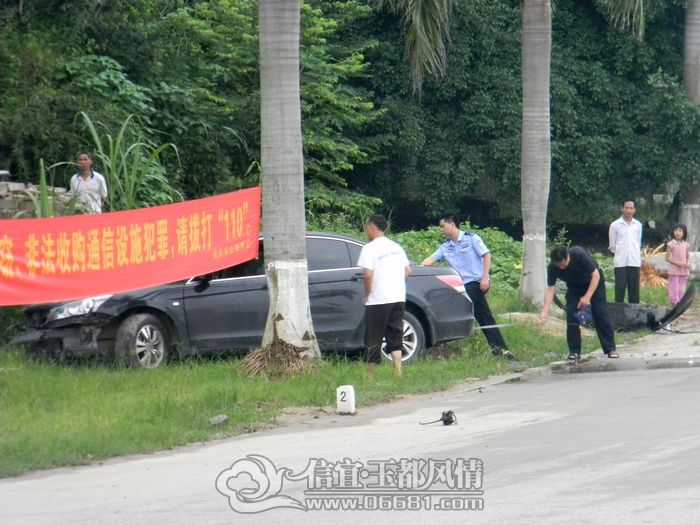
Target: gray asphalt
617,446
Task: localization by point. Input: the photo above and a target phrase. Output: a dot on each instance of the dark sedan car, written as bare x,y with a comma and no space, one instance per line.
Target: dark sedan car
227,310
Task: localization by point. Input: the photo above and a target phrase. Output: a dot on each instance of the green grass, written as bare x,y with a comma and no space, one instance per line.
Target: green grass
54,415
657,296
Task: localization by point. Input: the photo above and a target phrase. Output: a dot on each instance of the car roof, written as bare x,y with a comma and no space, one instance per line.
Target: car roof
330,235
338,236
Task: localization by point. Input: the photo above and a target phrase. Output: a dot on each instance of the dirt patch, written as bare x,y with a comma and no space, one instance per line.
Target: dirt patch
293,415
554,327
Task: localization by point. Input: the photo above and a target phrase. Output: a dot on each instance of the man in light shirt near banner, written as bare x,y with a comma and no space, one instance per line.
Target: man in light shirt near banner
88,185
626,243
386,268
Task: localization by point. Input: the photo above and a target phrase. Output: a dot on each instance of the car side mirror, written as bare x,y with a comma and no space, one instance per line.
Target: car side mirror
203,282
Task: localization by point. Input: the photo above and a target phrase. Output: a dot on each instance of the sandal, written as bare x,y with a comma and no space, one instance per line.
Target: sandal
613,355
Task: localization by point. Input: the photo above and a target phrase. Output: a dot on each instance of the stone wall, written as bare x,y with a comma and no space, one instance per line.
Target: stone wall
659,262
16,199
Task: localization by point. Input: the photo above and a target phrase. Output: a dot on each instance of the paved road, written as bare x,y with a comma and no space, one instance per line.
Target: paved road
621,446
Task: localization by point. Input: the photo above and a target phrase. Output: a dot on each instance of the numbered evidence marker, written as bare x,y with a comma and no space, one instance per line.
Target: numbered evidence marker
345,396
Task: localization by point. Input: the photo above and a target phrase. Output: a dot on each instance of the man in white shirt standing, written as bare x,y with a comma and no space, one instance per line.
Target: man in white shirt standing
626,243
386,268
87,185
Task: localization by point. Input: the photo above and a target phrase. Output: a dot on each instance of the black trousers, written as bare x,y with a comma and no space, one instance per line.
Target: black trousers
627,277
601,319
483,316
383,321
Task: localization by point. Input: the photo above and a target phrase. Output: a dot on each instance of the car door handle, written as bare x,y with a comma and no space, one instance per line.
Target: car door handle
357,276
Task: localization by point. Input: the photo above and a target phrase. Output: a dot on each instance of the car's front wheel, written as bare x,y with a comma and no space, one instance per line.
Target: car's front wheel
413,339
142,341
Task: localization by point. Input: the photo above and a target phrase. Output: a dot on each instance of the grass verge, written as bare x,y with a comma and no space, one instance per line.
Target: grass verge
56,415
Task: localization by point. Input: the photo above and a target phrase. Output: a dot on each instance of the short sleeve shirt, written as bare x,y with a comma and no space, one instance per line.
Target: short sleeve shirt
90,192
679,255
578,274
388,263
465,256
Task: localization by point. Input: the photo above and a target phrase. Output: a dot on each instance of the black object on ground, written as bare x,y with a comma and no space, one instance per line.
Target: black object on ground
629,317
678,310
448,417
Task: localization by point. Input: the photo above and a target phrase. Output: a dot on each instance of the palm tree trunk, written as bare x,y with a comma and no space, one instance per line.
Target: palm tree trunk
289,319
690,208
691,52
535,156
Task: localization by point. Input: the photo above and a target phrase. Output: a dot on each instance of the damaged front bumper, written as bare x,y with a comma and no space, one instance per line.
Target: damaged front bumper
76,339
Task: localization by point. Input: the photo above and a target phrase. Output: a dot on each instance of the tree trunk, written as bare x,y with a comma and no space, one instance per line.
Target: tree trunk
691,52
690,214
535,156
289,319
690,206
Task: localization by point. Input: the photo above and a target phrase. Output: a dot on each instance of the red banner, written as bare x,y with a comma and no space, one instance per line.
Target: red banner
63,258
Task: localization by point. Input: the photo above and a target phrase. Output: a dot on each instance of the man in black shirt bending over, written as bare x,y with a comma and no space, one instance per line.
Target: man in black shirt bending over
585,286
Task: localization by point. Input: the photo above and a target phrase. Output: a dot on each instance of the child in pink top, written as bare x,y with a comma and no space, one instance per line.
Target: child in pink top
678,257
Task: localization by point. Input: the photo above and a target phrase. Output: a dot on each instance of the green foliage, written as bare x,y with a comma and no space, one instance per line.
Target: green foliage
613,122
627,14
132,166
666,145
427,33
104,78
605,262
11,320
561,238
337,210
188,70
43,204
335,115
462,137
46,203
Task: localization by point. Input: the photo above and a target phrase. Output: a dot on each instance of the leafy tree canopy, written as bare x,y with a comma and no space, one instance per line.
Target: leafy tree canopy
187,69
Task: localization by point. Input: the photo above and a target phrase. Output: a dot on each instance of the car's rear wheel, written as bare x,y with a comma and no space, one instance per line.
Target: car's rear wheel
142,341
413,339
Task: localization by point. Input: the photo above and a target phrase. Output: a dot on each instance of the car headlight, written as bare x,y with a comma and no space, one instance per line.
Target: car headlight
76,308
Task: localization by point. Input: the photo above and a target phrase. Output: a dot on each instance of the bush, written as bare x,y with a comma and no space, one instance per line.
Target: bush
11,319
337,209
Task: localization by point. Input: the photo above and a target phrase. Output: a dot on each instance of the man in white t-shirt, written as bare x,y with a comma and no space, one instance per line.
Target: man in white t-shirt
386,268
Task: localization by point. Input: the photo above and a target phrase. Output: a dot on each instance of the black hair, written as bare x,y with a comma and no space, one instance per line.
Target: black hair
624,201
559,254
379,221
680,225
450,217
84,152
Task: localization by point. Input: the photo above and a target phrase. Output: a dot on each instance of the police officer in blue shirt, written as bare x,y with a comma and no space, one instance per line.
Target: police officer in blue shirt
466,253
